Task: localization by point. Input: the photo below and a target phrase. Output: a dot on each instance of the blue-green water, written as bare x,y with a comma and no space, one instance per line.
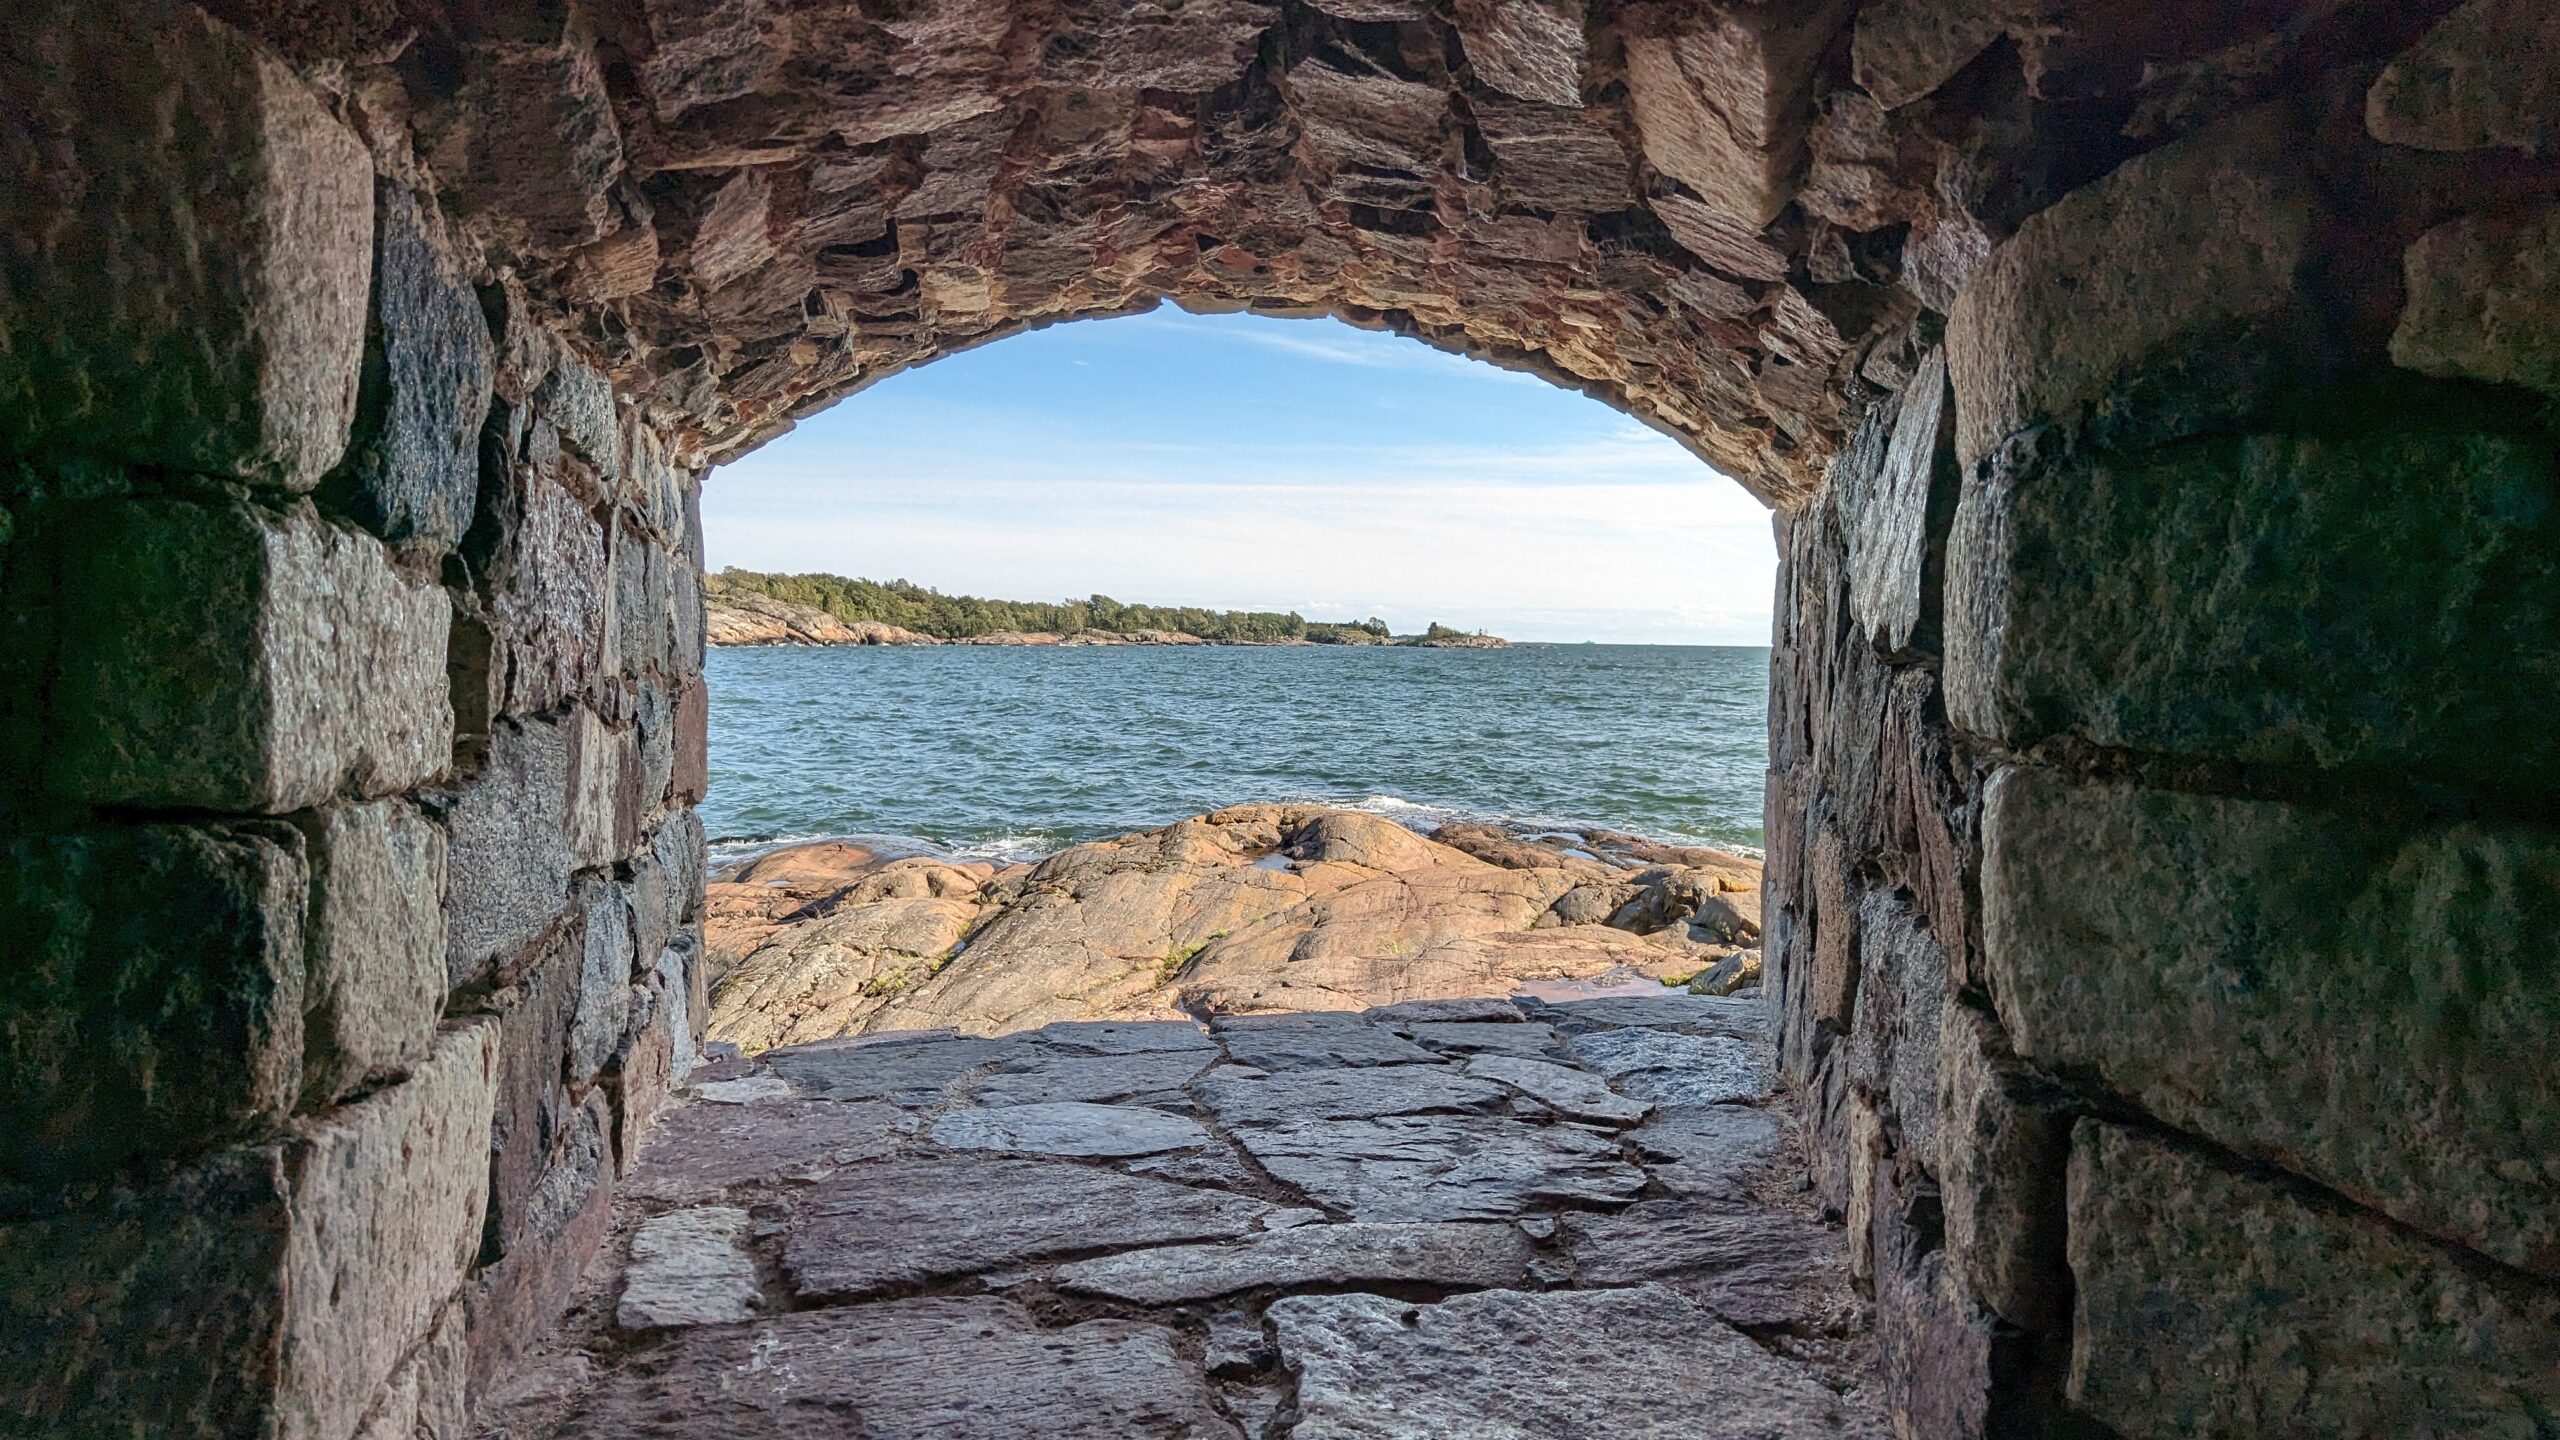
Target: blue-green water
1016,752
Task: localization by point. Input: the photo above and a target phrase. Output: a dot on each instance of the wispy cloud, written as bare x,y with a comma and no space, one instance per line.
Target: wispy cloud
1335,343
1305,477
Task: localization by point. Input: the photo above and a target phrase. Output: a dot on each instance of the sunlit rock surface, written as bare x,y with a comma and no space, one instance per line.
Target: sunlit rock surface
1261,908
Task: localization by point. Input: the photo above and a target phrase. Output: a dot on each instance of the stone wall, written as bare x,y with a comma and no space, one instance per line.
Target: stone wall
2163,866
2156,399
351,887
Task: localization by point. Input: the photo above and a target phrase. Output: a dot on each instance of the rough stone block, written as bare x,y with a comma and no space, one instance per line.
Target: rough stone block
1832,989
149,1315
1552,158
1904,49
689,1268
1455,1255
2382,601
900,1223
270,1291
534,136
692,623
656,907
509,854
645,623
1641,1363
189,239
2365,1004
1999,1160
1935,1348
606,962
2484,300
654,732
425,1399
679,849
653,485
692,777
226,657
1723,93
388,1200
1890,510
1901,1007
413,472
376,981
2487,76
2212,1303
605,809
948,1367
549,597
1526,49
534,1109
568,1215
2187,269
646,1069
578,399
681,999
152,1003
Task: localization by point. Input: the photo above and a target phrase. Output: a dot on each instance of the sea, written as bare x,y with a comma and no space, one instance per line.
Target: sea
1012,753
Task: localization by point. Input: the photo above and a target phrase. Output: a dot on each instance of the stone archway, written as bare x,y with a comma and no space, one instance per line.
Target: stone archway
2153,399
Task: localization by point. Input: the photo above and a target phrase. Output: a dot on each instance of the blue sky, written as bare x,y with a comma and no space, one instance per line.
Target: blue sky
1245,462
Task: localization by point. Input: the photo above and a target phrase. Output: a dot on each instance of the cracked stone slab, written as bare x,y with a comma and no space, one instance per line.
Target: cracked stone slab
1705,1151
1351,1094
1070,1128
1454,1012
941,1368
698,1152
1038,1076
1574,1094
1749,1265
1743,1019
1217,1167
1125,1037
1674,1069
1480,1037
1636,1364
1461,1255
1321,1041
1235,1344
913,1070
741,1090
1443,1167
689,1267
903,1222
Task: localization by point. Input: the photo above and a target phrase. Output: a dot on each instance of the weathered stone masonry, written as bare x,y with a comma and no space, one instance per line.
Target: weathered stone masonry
2155,399
350,902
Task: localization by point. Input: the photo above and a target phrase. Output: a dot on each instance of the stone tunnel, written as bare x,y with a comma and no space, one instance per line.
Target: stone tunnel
2154,401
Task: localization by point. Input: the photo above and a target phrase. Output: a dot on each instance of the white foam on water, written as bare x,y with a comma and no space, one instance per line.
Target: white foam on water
1424,818
1031,847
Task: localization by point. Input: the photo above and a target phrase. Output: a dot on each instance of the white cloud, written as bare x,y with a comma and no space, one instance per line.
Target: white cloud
1166,473
1592,562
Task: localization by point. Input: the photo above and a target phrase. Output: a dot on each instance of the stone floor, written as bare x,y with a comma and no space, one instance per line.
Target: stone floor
1448,1219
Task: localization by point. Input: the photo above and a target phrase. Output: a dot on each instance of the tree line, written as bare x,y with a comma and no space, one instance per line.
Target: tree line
959,617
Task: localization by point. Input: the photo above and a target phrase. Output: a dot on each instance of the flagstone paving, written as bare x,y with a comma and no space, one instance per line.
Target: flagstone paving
1476,1219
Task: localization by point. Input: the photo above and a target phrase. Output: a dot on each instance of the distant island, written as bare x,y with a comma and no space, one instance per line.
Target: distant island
746,607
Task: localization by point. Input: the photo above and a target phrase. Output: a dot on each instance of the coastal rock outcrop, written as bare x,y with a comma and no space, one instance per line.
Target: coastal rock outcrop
1254,909
741,617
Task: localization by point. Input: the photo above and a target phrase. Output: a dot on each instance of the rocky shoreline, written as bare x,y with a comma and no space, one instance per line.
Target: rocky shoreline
741,617
1257,909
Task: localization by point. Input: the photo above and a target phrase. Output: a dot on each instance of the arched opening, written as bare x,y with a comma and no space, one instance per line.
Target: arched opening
2160,810
1318,964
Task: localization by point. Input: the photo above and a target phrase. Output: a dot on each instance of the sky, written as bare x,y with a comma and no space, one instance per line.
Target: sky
1251,463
